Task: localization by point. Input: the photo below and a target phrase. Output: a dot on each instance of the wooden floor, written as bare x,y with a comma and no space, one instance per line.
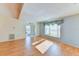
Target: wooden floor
23,47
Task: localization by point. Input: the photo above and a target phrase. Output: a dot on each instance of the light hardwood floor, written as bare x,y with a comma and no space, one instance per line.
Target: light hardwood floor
23,47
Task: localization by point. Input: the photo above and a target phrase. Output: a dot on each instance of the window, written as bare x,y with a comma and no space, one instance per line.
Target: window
52,29
47,29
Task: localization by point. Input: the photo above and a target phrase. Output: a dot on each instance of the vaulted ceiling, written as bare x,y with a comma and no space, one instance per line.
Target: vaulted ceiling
15,8
48,11
38,11
11,9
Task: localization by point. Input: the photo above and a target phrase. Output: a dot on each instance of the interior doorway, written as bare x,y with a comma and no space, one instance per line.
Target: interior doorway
28,29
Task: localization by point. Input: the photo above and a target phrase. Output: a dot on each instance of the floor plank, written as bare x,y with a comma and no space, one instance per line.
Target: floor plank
24,47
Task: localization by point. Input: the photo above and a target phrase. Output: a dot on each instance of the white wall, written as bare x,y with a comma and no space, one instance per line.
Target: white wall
11,26
70,31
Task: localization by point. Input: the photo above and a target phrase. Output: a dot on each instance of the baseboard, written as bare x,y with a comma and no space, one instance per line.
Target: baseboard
12,40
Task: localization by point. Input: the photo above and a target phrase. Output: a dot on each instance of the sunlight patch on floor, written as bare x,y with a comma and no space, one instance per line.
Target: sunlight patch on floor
28,42
44,46
54,50
34,43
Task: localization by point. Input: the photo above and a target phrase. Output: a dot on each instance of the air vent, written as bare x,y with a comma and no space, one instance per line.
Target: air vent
11,36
